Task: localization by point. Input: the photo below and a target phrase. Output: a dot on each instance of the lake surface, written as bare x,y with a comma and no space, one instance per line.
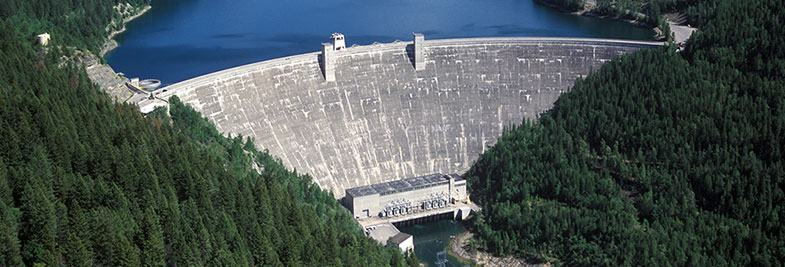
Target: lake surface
181,39
432,238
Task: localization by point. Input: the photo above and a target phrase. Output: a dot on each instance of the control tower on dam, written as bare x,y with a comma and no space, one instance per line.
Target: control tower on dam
370,114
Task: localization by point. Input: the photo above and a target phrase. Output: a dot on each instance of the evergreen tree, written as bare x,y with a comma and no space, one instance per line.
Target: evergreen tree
6,196
77,251
9,242
38,224
151,238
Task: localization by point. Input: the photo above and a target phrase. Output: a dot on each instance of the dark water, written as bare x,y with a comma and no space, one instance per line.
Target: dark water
181,39
433,237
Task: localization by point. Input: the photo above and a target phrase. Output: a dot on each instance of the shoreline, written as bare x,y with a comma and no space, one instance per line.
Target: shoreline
110,43
557,7
100,72
458,248
592,14
588,11
681,32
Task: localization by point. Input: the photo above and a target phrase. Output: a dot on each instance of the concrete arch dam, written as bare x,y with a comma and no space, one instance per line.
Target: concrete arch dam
381,120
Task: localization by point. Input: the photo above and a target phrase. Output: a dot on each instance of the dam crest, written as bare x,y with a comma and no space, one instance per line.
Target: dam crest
379,119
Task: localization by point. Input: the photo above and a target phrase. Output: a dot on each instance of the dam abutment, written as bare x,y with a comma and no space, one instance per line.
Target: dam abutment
379,117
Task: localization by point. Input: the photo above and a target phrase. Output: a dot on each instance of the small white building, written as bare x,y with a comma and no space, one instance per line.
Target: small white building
338,41
387,232
43,39
404,241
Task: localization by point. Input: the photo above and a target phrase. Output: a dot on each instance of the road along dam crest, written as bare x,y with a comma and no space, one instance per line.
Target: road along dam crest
387,111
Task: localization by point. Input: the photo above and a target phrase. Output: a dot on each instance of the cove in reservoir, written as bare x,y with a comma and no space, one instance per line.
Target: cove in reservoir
178,40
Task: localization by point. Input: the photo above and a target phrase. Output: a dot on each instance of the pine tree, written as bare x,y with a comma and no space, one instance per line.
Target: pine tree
5,189
77,251
38,224
411,260
9,242
397,259
152,245
125,253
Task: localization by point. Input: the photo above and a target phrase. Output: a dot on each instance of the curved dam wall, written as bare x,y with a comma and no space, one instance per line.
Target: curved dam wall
381,120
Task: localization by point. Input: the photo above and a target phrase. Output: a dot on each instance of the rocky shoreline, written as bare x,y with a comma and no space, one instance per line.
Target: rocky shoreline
588,11
101,73
676,21
110,43
459,247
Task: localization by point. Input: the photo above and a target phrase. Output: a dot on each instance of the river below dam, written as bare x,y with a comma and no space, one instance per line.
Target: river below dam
431,239
181,39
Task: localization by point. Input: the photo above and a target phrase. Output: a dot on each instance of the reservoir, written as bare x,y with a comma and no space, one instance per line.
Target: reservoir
178,40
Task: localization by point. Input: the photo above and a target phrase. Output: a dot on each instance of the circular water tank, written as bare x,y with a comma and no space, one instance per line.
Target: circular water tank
149,84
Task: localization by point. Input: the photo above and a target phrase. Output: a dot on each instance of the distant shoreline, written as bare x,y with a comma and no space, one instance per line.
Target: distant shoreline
588,11
110,43
101,73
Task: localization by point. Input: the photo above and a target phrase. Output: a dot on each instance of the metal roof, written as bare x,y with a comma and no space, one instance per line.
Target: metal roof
403,185
400,237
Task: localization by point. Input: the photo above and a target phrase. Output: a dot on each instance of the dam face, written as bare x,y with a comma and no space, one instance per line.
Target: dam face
381,120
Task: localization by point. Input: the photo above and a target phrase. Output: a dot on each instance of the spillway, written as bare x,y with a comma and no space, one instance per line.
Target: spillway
381,119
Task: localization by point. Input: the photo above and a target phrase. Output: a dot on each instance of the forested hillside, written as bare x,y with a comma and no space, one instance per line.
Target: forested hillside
658,158
85,181
76,24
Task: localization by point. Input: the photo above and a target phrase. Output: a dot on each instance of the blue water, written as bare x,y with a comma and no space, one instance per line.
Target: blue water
181,39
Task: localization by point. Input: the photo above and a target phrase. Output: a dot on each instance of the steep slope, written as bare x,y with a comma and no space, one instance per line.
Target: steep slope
658,158
85,181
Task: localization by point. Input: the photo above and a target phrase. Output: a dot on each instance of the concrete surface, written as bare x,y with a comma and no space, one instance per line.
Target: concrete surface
381,232
106,78
450,211
681,32
411,195
380,120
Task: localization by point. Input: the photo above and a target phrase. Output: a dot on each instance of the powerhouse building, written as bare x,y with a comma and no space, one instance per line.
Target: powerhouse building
406,196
